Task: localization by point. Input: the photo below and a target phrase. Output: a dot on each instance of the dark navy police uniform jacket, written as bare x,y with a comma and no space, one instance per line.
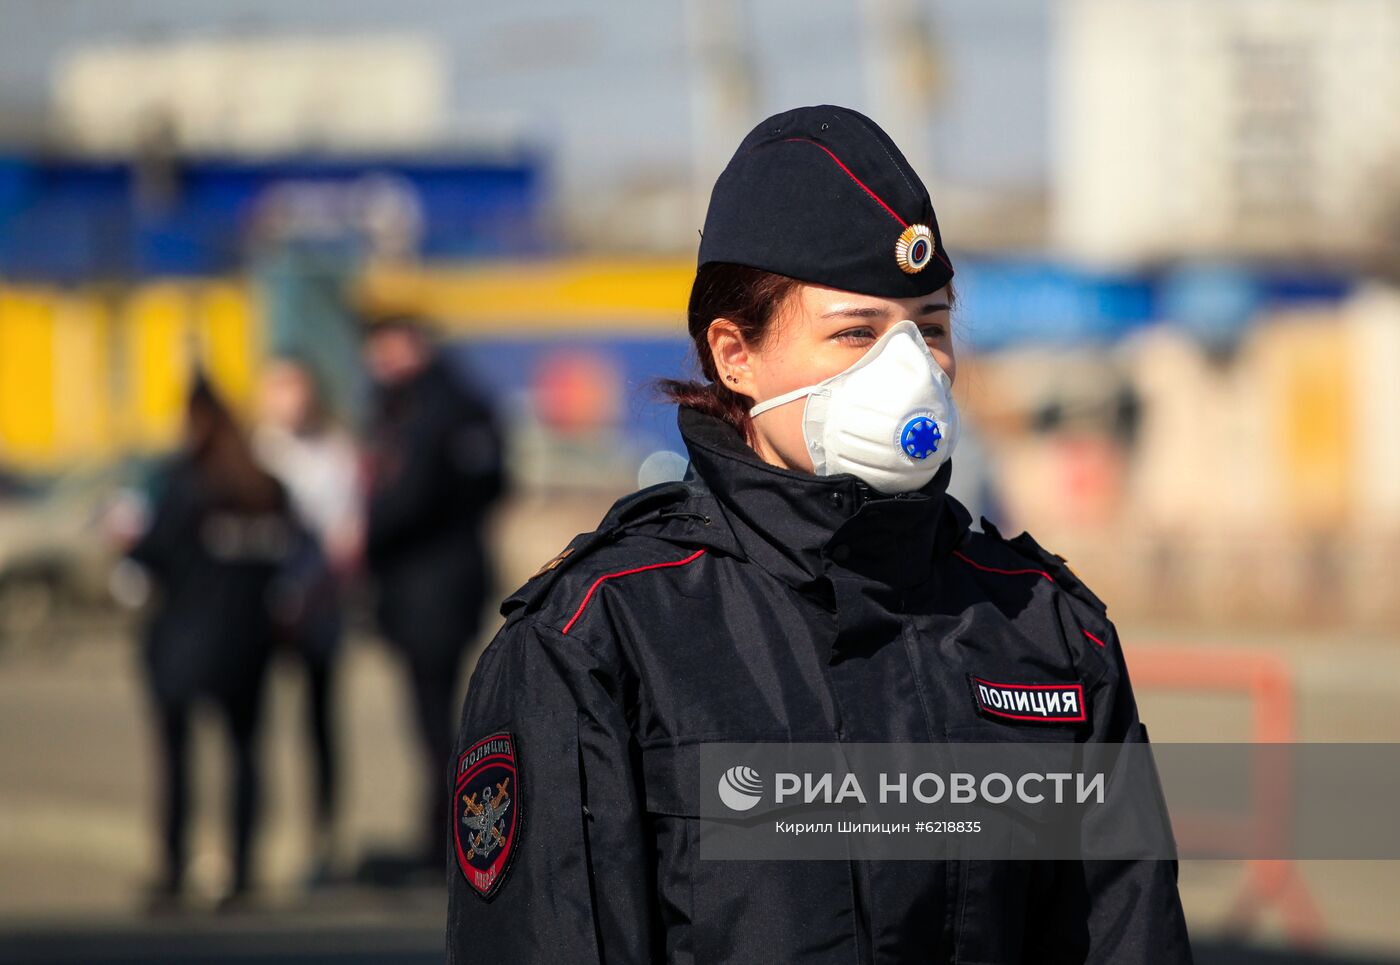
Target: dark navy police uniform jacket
752,603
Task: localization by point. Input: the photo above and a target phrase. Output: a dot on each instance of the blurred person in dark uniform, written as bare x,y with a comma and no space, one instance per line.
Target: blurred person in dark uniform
809,580
299,442
435,457
220,531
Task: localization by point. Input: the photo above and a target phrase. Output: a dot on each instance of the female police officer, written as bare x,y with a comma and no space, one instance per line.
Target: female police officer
810,581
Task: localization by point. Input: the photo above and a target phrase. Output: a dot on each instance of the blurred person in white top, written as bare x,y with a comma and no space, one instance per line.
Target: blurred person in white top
316,459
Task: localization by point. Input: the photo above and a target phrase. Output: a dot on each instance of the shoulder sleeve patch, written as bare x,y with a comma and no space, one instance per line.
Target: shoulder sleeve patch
487,812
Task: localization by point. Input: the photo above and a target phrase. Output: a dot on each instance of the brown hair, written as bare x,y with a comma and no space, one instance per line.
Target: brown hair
750,298
224,459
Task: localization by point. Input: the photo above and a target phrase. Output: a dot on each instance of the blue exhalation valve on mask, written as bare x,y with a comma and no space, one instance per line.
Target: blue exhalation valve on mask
888,419
920,437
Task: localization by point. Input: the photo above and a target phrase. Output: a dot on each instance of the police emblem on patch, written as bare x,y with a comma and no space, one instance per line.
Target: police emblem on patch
1049,703
914,249
487,819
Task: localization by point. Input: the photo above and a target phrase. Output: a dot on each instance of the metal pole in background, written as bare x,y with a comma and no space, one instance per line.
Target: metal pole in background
723,105
903,75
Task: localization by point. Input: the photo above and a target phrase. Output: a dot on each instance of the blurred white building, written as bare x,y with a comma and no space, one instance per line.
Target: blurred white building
255,95
1226,126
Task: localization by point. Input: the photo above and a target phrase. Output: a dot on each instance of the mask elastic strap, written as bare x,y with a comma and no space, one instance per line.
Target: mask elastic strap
906,326
783,399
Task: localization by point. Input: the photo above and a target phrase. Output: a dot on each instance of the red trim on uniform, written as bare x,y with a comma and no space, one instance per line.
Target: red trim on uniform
850,174
993,569
1092,637
608,576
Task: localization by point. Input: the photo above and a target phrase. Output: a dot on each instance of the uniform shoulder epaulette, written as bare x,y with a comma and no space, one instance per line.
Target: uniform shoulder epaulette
626,513
1054,563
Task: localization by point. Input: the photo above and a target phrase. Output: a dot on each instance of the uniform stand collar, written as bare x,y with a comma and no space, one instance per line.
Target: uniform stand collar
801,526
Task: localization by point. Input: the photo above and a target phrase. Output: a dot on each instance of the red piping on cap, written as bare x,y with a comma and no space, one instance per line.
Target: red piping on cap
850,174
866,188
608,576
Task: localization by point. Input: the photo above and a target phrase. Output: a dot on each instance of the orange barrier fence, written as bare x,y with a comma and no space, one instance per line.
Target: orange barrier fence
1266,681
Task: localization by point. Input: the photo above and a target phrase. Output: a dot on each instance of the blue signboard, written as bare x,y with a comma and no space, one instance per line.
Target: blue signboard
74,221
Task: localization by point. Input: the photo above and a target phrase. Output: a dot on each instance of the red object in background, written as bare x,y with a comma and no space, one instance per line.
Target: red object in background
1266,680
576,392
1091,478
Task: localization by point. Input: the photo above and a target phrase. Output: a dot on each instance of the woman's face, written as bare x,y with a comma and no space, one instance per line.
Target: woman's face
817,333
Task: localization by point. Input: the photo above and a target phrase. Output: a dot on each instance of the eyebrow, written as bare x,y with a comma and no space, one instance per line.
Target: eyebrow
929,309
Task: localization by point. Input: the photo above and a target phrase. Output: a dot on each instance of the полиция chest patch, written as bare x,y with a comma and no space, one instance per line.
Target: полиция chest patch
1051,703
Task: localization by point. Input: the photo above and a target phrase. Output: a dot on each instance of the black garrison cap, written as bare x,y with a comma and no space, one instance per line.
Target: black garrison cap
821,194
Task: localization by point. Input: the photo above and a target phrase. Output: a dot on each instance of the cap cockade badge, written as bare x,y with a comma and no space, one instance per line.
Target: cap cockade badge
914,249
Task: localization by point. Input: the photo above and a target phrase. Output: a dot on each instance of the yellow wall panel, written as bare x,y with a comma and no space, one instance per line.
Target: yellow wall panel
84,426
509,297
229,349
158,355
1315,427
84,377
26,376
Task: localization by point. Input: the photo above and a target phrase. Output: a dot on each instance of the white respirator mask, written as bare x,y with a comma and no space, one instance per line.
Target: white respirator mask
889,419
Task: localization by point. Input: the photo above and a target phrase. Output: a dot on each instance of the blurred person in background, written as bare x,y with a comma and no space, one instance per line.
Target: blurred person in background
220,532
316,460
435,456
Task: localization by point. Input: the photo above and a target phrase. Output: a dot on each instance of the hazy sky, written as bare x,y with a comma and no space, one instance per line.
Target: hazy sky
606,85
